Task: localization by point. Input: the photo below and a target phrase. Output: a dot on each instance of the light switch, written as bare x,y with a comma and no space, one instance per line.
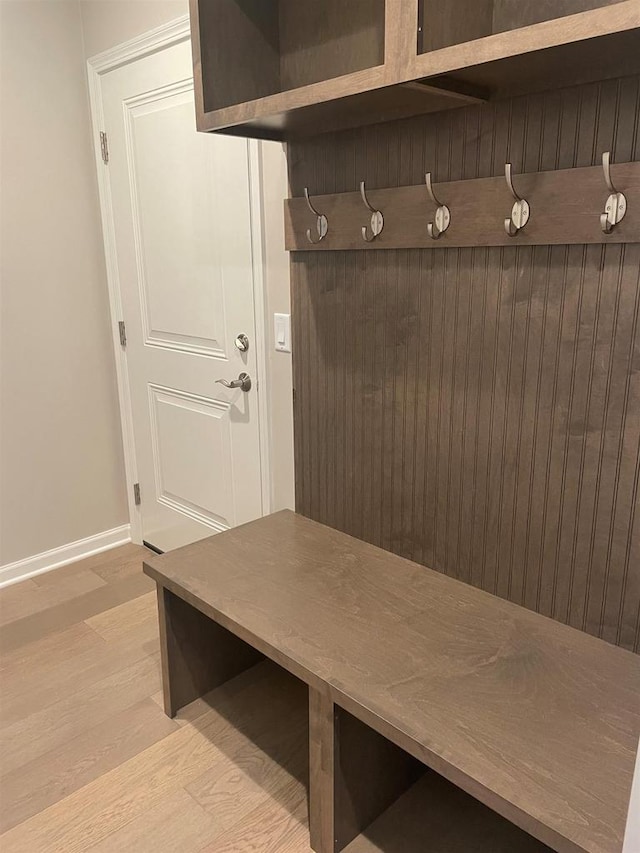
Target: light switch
282,332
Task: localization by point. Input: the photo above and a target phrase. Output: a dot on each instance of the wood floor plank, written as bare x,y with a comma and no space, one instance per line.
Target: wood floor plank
63,581
22,598
17,600
29,596
51,726
44,592
137,617
275,768
176,823
77,609
121,569
36,785
269,828
109,803
42,654
119,563
36,690
108,560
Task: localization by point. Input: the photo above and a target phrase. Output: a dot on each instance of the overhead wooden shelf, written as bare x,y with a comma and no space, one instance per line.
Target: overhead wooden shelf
280,68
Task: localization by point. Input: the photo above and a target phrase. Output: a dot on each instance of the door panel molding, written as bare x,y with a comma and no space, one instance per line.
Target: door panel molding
161,337
208,407
160,38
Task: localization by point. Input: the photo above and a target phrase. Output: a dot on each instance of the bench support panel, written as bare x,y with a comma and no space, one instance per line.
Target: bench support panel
354,774
197,653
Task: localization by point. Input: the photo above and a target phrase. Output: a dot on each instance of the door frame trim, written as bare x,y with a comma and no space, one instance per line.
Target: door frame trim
153,41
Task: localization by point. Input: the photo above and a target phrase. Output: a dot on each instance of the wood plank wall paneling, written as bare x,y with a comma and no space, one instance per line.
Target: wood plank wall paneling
478,410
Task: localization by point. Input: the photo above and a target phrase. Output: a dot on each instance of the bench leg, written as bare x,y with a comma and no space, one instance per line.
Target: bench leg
354,774
197,654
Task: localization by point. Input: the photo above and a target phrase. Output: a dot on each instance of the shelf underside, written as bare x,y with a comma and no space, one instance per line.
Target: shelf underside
612,56
372,107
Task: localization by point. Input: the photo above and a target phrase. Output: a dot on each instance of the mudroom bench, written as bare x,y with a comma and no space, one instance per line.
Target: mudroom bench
440,717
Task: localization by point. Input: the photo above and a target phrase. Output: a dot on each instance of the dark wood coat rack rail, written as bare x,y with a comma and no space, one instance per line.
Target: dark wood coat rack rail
565,207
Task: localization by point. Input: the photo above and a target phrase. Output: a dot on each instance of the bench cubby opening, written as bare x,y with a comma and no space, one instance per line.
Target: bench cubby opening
436,816
265,706
367,795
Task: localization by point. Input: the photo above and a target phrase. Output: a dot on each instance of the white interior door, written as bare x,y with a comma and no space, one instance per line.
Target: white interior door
181,209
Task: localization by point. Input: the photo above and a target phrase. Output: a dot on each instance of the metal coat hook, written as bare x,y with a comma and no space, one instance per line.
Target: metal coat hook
442,219
616,206
519,212
377,219
322,223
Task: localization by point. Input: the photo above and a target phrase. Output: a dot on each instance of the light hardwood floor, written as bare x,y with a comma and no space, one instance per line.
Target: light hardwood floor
88,759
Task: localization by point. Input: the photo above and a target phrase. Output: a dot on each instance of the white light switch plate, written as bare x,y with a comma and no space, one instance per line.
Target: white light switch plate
282,332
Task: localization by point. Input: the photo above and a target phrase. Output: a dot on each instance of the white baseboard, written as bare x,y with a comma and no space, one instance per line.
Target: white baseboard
65,554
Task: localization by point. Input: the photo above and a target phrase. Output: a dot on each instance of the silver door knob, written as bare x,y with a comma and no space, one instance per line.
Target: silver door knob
243,382
242,343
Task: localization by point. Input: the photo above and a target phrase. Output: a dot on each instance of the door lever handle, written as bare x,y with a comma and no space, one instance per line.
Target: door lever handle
243,382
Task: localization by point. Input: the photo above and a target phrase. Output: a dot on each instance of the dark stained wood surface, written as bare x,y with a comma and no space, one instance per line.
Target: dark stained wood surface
510,14
197,655
319,41
437,817
342,108
478,410
583,30
574,63
566,206
534,719
445,24
244,54
372,773
354,774
226,27
322,771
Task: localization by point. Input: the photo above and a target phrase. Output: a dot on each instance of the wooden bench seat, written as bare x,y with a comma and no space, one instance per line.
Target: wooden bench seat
537,721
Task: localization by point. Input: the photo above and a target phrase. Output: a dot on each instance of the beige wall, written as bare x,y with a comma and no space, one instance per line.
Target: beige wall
107,23
61,473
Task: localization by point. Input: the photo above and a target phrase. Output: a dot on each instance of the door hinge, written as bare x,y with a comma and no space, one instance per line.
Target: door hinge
104,147
122,331
136,494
